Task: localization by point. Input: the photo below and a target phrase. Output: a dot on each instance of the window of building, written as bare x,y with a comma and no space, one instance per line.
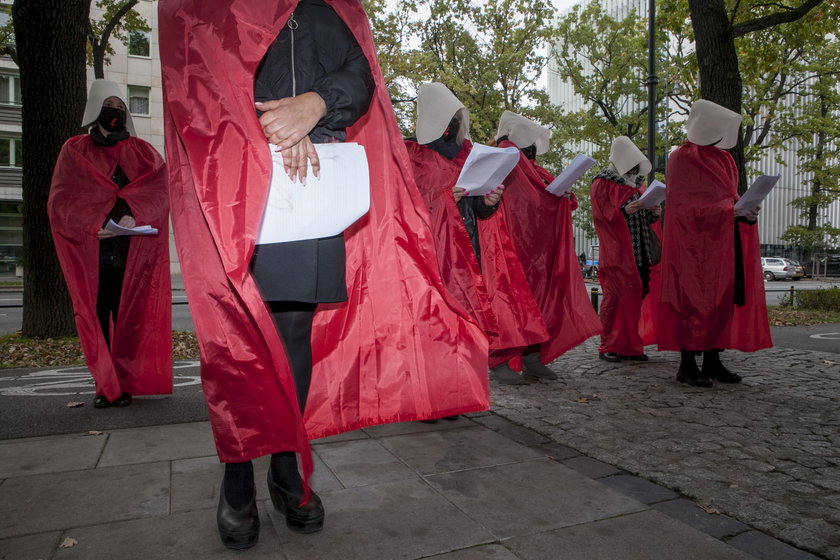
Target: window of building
11,153
138,43
11,236
138,100
9,89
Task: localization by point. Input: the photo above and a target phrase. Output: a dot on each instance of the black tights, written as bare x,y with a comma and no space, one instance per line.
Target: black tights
293,320
688,361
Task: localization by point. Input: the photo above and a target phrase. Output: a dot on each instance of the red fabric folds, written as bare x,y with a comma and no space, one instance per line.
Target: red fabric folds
541,228
398,349
81,196
513,320
698,261
621,309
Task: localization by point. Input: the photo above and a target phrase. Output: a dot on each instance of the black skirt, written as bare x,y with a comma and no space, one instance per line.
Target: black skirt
309,271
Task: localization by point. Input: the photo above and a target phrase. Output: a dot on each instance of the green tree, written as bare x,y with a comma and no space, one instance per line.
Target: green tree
119,20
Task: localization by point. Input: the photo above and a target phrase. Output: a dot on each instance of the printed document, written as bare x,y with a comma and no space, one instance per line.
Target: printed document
756,194
324,206
486,168
574,171
653,195
117,229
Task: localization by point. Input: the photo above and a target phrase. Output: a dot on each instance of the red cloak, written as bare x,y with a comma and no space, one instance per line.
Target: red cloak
696,310
621,306
518,323
541,227
81,196
398,349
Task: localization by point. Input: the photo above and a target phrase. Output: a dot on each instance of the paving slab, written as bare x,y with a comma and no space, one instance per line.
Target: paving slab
592,468
363,462
50,454
714,524
393,521
30,547
640,489
48,502
515,432
181,536
558,451
766,547
530,496
486,552
196,482
647,535
158,443
451,450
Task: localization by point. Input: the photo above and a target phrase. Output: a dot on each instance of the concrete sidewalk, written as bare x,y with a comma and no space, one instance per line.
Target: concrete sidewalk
477,488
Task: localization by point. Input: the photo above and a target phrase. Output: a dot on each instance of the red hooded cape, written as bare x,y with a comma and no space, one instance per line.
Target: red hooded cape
621,307
541,227
398,349
696,309
81,196
518,323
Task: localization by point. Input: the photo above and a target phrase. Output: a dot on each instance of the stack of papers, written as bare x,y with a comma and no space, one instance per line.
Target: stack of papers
653,195
117,229
574,171
756,194
486,169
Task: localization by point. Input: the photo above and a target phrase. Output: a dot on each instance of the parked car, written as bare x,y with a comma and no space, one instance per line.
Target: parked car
776,268
798,269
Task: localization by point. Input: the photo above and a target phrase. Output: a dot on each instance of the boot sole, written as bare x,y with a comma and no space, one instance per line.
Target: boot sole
298,524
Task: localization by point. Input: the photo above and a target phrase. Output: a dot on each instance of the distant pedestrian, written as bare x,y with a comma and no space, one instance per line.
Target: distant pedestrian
712,286
627,250
119,284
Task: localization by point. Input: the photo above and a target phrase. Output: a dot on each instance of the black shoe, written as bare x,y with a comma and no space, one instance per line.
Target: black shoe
637,357
122,400
610,357
99,401
720,373
533,367
451,418
506,376
308,518
430,421
238,528
696,378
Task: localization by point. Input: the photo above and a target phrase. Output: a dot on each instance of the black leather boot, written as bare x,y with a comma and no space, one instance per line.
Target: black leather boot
714,368
238,528
688,371
286,490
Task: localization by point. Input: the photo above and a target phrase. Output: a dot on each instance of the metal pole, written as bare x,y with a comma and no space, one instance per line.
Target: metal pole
594,298
652,80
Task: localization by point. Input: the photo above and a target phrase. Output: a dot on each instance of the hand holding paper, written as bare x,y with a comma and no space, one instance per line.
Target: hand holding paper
755,195
653,195
117,229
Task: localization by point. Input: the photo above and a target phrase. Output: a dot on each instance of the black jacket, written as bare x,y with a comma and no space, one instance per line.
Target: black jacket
326,59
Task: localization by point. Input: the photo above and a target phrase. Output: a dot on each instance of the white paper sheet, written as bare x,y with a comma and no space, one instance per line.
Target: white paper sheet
653,195
117,229
756,194
486,168
574,171
323,207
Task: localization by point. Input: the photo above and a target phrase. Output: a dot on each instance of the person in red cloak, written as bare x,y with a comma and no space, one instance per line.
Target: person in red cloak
541,228
476,255
119,284
699,311
625,249
396,347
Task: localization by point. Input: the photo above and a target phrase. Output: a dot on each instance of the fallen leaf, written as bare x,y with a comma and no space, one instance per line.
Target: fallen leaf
829,362
708,509
68,542
75,404
582,400
93,433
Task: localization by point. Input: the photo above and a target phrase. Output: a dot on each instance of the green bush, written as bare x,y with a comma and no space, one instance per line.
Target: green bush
823,300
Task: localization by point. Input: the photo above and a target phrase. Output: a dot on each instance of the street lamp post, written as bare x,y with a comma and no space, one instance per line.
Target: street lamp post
652,80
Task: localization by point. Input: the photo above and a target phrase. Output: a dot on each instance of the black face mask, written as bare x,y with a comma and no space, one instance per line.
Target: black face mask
111,119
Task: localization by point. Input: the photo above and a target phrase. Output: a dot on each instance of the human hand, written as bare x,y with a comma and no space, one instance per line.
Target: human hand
127,222
286,121
632,207
458,193
493,197
656,210
105,234
752,215
296,157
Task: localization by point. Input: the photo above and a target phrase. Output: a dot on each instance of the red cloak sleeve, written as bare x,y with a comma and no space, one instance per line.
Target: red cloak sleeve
398,349
81,196
696,309
621,310
541,228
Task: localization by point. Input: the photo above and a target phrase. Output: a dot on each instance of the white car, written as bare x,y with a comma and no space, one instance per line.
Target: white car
776,268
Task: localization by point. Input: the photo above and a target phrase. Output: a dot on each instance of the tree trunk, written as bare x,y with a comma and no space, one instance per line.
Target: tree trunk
720,78
51,52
